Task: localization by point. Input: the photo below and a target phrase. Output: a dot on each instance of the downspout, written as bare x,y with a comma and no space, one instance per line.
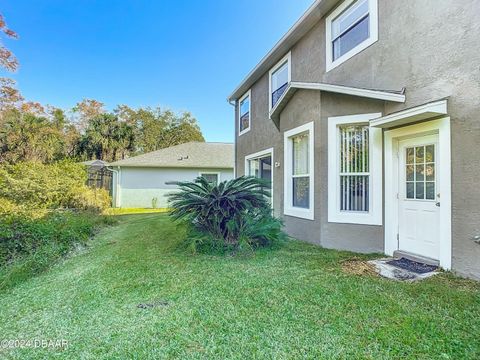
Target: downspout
117,186
234,104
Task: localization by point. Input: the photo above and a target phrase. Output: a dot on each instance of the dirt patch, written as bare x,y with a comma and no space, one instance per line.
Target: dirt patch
160,303
358,267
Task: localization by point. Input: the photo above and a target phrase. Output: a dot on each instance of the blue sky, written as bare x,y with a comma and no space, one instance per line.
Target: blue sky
182,55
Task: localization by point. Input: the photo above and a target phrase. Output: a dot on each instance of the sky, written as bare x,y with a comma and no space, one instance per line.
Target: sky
185,55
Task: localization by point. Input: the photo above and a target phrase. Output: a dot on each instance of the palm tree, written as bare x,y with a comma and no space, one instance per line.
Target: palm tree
218,209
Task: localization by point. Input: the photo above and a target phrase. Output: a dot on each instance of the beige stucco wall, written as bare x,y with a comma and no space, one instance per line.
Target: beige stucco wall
431,47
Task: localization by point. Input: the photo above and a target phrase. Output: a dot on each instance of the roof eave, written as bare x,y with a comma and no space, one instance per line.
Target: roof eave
313,14
397,97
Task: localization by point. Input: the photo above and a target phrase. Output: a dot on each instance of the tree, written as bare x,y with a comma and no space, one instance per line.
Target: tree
25,136
7,59
87,109
107,138
157,129
10,97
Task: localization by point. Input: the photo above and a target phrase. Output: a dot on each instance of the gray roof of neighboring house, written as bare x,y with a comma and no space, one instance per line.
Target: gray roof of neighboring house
98,163
188,155
314,13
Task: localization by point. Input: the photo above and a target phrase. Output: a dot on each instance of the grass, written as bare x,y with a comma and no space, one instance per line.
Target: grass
129,211
291,302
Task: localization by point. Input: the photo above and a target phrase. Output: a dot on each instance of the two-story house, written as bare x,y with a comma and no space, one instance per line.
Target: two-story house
365,116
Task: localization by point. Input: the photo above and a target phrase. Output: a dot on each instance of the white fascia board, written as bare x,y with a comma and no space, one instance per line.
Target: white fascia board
348,90
412,115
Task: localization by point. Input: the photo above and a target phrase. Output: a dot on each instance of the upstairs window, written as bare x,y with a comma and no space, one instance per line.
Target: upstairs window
351,28
244,114
279,79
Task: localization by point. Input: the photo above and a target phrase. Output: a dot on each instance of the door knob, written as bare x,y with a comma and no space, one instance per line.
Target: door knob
437,204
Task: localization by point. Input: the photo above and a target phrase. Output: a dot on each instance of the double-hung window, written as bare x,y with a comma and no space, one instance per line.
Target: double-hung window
299,172
279,77
244,113
351,28
354,170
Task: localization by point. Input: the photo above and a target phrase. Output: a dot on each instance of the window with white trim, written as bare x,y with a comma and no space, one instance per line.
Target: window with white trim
351,28
279,78
244,114
260,165
210,177
299,172
354,170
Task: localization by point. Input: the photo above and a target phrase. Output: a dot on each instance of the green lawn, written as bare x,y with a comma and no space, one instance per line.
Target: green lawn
292,302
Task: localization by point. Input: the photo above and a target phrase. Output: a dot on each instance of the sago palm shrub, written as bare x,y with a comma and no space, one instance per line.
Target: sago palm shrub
225,215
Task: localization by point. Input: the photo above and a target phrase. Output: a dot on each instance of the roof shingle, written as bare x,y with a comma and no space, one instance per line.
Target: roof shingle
188,155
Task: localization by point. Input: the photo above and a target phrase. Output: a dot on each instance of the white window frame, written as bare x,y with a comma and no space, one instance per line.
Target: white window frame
259,155
374,215
249,95
373,26
288,58
289,209
201,173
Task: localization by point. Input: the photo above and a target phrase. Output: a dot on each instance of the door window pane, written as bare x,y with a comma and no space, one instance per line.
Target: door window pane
409,174
410,190
419,190
420,172
430,172
420,154
430,190
430,153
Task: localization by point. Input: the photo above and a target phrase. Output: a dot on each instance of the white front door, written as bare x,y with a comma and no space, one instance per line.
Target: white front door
419,199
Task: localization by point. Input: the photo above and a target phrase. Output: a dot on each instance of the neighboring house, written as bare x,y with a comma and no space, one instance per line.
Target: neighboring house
143,181
369,112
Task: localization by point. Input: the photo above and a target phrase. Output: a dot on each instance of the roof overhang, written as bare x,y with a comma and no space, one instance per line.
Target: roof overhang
311,17
294,86
412,115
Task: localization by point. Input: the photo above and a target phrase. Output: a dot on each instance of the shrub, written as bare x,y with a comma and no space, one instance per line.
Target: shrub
29,245
50,186
225,216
